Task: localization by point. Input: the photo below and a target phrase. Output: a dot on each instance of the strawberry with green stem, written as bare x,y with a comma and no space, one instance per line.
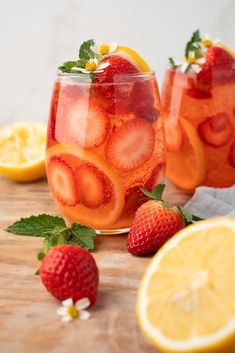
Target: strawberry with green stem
155,222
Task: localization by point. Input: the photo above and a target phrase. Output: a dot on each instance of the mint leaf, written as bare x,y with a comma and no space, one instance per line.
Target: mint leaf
194,45
69,66
36,225
86,52
82,236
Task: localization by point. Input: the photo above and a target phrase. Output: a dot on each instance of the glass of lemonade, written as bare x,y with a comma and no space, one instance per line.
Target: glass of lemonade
198,102
105,141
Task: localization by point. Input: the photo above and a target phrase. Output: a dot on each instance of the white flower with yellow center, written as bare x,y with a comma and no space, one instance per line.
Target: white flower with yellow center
207,42
192,62
105,49
70,311
92,66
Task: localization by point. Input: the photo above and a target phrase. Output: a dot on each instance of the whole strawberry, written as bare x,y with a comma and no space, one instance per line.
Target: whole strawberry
69,271
155,222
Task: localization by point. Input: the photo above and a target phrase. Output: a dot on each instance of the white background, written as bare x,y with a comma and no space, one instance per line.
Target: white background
36,36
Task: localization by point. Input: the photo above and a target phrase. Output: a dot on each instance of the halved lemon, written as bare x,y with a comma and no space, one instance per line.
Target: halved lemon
186,166
132,56
186,299
22,151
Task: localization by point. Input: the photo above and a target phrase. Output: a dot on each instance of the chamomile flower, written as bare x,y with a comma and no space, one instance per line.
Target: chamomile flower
70,311
92,66
192,62
105,49
207,42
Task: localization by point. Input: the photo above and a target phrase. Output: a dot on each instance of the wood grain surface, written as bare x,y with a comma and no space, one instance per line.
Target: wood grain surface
28,319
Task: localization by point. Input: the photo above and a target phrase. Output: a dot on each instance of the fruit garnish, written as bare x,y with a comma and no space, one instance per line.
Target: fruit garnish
107,181
22,151
216,130
155,222
190,157
212,63
62,181
131,145
95,188
83,123
157,173
54,231
186,299
231,156
69,271
132,56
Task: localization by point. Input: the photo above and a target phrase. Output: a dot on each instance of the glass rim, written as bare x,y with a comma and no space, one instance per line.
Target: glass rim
124,75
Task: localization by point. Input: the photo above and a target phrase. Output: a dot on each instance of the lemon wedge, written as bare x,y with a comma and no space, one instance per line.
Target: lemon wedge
22,151
186,299
133,57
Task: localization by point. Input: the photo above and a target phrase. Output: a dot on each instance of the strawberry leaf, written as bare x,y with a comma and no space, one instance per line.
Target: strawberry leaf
187,215
156,193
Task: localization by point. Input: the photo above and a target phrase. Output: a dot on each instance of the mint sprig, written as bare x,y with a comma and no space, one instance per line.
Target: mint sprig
86,52
193,45
54,231
156,194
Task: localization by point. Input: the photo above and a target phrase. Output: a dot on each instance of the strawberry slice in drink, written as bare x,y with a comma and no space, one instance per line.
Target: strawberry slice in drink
62,181
83,123
95,188
131,145
216,130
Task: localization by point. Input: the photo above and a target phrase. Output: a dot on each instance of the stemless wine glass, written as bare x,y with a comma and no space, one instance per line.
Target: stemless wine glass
105,141
199,115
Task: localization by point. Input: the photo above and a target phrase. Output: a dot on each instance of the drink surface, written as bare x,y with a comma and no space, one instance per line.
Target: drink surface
209,111
105,141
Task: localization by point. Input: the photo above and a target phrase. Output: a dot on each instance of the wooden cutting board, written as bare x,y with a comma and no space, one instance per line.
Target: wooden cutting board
28,319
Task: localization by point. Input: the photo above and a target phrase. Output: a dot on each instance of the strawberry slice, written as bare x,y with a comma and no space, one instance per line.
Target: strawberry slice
62,181
131,145
156,177
95,189
231,156
82,123
53,111
216,130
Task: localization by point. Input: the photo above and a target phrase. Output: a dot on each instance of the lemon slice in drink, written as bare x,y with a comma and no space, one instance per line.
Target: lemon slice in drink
186,300
22,151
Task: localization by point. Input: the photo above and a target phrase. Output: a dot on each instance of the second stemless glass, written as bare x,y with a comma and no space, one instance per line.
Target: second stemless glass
200,128
105,142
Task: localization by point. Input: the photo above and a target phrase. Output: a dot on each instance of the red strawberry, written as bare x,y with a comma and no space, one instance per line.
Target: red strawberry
131,145
62,181
231,156
216,130
95,189
69,271
155,222
219,67
113,86
198,93
81,123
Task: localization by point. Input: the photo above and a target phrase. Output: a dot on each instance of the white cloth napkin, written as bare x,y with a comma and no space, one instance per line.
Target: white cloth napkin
210,202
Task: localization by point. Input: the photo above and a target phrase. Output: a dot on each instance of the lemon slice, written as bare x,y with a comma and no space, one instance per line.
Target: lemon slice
186,299
133,57
22,151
